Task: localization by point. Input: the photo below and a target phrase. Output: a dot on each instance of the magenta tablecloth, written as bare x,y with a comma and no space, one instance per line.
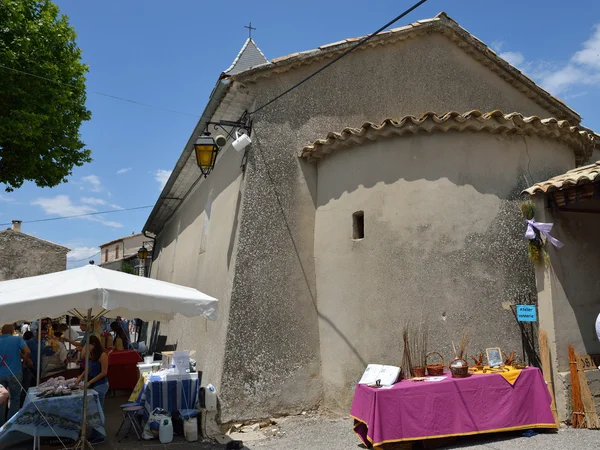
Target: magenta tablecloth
453,407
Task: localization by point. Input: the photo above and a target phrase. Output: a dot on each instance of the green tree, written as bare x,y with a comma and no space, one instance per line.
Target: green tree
127,268
39,119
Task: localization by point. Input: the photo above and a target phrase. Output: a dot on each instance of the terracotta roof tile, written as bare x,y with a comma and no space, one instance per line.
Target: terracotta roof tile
575,177
577,138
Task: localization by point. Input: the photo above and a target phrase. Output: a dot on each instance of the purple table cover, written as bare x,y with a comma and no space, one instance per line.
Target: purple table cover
452,407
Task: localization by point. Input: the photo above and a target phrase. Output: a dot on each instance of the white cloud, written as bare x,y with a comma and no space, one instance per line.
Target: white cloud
98,201
62,206
79,253
581,69
81,256
93,182
514,58
162,176
122,171
6,199
92,201
590,54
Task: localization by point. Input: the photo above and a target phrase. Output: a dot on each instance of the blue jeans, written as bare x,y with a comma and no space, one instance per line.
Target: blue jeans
13,385
101,389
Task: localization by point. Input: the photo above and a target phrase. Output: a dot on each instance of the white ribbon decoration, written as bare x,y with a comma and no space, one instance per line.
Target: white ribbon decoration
543,228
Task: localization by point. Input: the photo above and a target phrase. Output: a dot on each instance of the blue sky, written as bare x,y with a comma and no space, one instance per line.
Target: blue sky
170,54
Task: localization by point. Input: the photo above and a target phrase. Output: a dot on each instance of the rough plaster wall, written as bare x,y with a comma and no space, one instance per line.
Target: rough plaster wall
23,256
575,283
272,361
273,348
181,259
443,245
410,77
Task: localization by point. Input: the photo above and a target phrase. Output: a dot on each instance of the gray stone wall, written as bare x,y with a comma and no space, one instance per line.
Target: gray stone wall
275,343
22,256
443,247
267,351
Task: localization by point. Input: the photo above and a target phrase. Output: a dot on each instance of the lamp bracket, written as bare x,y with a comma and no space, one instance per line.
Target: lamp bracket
243,123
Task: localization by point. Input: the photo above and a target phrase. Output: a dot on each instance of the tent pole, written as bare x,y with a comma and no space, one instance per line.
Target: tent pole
83,443
39,352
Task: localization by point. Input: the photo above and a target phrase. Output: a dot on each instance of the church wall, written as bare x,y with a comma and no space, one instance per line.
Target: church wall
197,248
279,335
273,334
443,246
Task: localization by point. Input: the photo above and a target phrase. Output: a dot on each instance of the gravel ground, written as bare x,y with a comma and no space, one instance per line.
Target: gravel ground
316,432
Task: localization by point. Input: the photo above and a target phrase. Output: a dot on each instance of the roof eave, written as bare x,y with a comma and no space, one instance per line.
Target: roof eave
216,96
44,241
441,23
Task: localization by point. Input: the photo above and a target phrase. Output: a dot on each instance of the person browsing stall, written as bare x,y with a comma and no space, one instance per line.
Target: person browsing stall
12,350
68,337
98,370
120,333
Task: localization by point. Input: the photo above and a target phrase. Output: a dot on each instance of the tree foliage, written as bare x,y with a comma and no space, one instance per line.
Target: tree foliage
127,268
39,119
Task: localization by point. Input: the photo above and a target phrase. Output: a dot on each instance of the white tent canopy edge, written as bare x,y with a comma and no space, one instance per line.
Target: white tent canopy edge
92,287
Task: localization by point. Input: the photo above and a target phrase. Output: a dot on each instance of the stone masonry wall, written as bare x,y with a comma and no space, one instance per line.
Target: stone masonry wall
23,256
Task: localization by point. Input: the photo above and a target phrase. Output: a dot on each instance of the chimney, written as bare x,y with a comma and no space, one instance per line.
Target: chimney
16,225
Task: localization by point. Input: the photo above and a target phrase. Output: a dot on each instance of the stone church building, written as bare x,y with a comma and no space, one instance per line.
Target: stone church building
382,192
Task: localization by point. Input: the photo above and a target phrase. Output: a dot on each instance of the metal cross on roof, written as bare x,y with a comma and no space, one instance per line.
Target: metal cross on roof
250,28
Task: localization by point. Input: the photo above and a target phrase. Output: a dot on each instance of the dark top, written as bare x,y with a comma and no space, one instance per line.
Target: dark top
94,371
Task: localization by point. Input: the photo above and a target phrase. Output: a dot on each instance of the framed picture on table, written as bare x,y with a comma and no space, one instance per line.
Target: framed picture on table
494,356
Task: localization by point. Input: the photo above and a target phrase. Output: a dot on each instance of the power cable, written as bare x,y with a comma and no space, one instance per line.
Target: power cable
82,215
98,93
351,49
84,259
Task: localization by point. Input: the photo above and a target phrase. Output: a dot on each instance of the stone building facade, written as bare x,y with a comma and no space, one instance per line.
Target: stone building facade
116,253
384,191
23,255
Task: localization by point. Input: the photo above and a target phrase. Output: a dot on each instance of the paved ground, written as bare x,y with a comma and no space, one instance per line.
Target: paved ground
315,432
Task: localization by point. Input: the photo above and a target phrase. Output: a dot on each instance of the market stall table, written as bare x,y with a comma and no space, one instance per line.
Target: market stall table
122,369
413,411
174,394
61,416
72,371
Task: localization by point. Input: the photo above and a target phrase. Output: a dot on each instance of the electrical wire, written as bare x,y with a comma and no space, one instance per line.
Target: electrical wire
351,49
84,259
82,215
97,92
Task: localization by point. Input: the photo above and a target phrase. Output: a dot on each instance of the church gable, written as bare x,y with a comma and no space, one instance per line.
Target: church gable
442,26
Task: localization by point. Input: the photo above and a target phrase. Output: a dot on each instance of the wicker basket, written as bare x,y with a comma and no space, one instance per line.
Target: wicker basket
459,372
435,369
417,372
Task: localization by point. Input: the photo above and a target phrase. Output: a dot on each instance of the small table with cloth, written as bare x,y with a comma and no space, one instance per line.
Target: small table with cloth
171,394
63,413
122,369
481,403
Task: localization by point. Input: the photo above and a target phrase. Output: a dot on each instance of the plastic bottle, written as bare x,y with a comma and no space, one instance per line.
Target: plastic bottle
165,434
190,429
210,398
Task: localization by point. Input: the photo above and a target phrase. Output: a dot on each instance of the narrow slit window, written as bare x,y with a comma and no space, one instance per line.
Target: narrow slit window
358,225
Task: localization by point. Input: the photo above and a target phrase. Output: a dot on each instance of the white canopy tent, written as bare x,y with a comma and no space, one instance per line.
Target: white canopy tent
90,292
106,292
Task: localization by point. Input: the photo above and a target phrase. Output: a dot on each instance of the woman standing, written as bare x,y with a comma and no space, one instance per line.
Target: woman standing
98,370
